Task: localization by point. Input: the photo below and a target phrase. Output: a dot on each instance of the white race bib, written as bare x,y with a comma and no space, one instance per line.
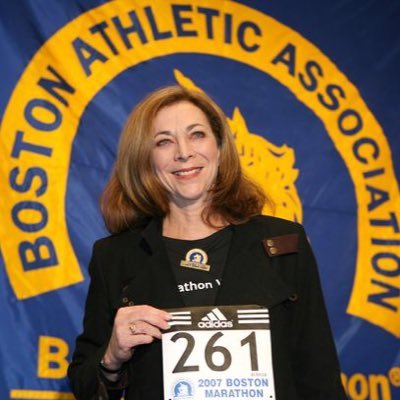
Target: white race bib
218,352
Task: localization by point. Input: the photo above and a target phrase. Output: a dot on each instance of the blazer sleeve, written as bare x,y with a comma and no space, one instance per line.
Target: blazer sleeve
86,379
316,362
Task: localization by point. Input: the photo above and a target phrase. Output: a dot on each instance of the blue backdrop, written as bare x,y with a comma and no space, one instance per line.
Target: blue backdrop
275,62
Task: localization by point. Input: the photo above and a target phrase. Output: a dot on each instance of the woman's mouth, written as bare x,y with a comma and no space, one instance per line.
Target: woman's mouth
187,171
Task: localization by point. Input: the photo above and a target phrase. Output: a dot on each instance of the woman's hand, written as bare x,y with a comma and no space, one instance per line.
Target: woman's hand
133,326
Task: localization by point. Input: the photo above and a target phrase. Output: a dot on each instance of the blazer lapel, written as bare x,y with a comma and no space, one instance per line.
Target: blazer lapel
155,284
249,275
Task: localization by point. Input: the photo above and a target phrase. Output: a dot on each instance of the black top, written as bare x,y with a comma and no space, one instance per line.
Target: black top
196,285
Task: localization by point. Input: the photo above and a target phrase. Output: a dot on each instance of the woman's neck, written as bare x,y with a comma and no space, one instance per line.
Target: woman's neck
187,224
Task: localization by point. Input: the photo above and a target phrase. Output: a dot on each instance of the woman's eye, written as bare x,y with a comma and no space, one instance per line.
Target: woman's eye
198,134
162,142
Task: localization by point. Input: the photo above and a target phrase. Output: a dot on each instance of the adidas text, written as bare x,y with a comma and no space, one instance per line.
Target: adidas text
215,324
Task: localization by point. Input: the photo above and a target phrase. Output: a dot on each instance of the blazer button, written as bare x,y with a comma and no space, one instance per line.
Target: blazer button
293,297
125,300
131,303
273,250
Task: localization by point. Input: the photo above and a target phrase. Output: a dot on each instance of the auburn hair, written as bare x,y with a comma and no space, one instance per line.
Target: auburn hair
134,193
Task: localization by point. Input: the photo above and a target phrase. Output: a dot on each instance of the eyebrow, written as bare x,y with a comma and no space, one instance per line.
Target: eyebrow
188,128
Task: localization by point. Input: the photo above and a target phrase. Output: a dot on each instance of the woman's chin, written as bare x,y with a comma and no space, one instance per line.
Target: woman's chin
190,199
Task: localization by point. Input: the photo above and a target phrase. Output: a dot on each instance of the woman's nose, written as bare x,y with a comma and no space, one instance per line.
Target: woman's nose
184,150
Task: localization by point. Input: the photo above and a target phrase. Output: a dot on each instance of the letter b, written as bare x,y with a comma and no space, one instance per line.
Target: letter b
52,358
39,254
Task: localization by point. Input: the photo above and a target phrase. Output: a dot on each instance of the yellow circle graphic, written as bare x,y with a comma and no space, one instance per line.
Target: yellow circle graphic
43,114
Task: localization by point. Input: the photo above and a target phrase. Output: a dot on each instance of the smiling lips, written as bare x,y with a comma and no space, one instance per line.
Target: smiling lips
187,172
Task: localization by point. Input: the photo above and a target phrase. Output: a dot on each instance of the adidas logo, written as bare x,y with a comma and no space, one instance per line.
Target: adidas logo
215,319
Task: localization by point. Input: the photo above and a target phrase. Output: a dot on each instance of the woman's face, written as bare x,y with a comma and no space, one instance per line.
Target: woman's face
185,155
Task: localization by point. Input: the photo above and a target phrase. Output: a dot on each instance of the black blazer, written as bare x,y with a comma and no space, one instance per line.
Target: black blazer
133,268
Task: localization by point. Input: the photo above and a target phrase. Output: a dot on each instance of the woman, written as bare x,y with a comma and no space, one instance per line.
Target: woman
177,198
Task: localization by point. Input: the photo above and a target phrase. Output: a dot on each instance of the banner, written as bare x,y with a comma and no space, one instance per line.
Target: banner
311,96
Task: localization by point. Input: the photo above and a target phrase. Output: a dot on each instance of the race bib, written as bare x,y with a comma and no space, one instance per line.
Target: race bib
218,352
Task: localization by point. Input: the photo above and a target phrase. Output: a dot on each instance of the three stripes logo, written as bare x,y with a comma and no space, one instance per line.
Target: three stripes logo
215,319
253,316
180,318
239,317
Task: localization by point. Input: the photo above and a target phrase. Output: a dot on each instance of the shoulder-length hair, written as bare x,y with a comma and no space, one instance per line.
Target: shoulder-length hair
134,193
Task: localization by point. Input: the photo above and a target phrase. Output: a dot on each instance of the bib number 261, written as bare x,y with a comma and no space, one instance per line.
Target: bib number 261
217,357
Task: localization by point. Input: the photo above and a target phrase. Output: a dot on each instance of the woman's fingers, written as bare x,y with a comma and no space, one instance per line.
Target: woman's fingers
148,314
139,327
134,326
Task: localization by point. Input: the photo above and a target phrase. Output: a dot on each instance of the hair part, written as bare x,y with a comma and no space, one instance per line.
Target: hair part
134,193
